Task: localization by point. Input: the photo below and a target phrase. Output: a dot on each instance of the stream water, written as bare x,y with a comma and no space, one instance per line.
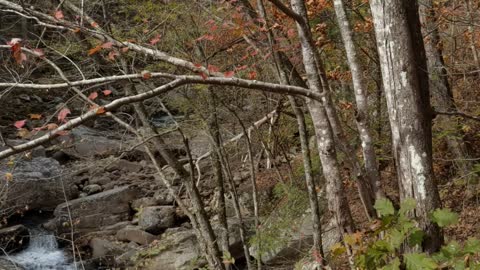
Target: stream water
42,253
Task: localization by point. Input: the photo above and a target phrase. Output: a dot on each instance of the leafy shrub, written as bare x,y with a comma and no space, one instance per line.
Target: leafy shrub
383,246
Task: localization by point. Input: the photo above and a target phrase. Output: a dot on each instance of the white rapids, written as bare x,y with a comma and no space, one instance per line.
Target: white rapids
42,253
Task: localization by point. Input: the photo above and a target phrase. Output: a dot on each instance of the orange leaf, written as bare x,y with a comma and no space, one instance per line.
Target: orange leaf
52,126
23,133
94,50
106,92
124,49
252,75
101,110
93,96
107,45
94,24
59,15
63,114
229,74
35,116
76,30
146,74
20,124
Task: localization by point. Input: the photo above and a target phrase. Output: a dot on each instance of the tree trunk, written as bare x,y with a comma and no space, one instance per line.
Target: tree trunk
405,80
217,168
337,200
442,96
361,117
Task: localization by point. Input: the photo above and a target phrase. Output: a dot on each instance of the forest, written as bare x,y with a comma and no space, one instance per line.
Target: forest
239,134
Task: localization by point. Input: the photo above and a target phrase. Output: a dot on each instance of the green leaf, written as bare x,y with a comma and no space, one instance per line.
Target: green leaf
384,207
472,246
416,237
444,217
393,265
407,205
419,261
396,239
451,250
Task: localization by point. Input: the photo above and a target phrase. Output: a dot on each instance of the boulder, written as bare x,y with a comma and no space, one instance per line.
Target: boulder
36,184
143,202
105,251
135,234
95,211
14,238
84,142
175,251
125,166
155,219
92,189
163,197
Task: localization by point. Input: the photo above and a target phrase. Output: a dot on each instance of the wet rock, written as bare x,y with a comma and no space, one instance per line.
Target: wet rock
14,239
155,219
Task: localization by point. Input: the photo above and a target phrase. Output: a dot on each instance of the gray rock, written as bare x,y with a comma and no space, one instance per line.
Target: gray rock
14,239
5,264
100,180
163,197
155,219
143,202
95,211
105,251
125,166
36,184
92,189
136,235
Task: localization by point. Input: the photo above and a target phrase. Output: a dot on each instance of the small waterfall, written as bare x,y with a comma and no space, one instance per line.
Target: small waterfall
42,253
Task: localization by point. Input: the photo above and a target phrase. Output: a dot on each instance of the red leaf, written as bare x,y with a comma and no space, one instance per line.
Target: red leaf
229,74
93,96
63,114
198,65
94,24
107,45
241,68
291,33
106,92
146,74
59,15
212,68
124,49
20,124
204,76
252,75
155,40
94,50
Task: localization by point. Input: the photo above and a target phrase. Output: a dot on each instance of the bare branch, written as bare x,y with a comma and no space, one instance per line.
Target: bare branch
461,114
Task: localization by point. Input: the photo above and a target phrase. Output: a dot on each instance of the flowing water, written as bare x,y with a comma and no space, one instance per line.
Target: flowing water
42,253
